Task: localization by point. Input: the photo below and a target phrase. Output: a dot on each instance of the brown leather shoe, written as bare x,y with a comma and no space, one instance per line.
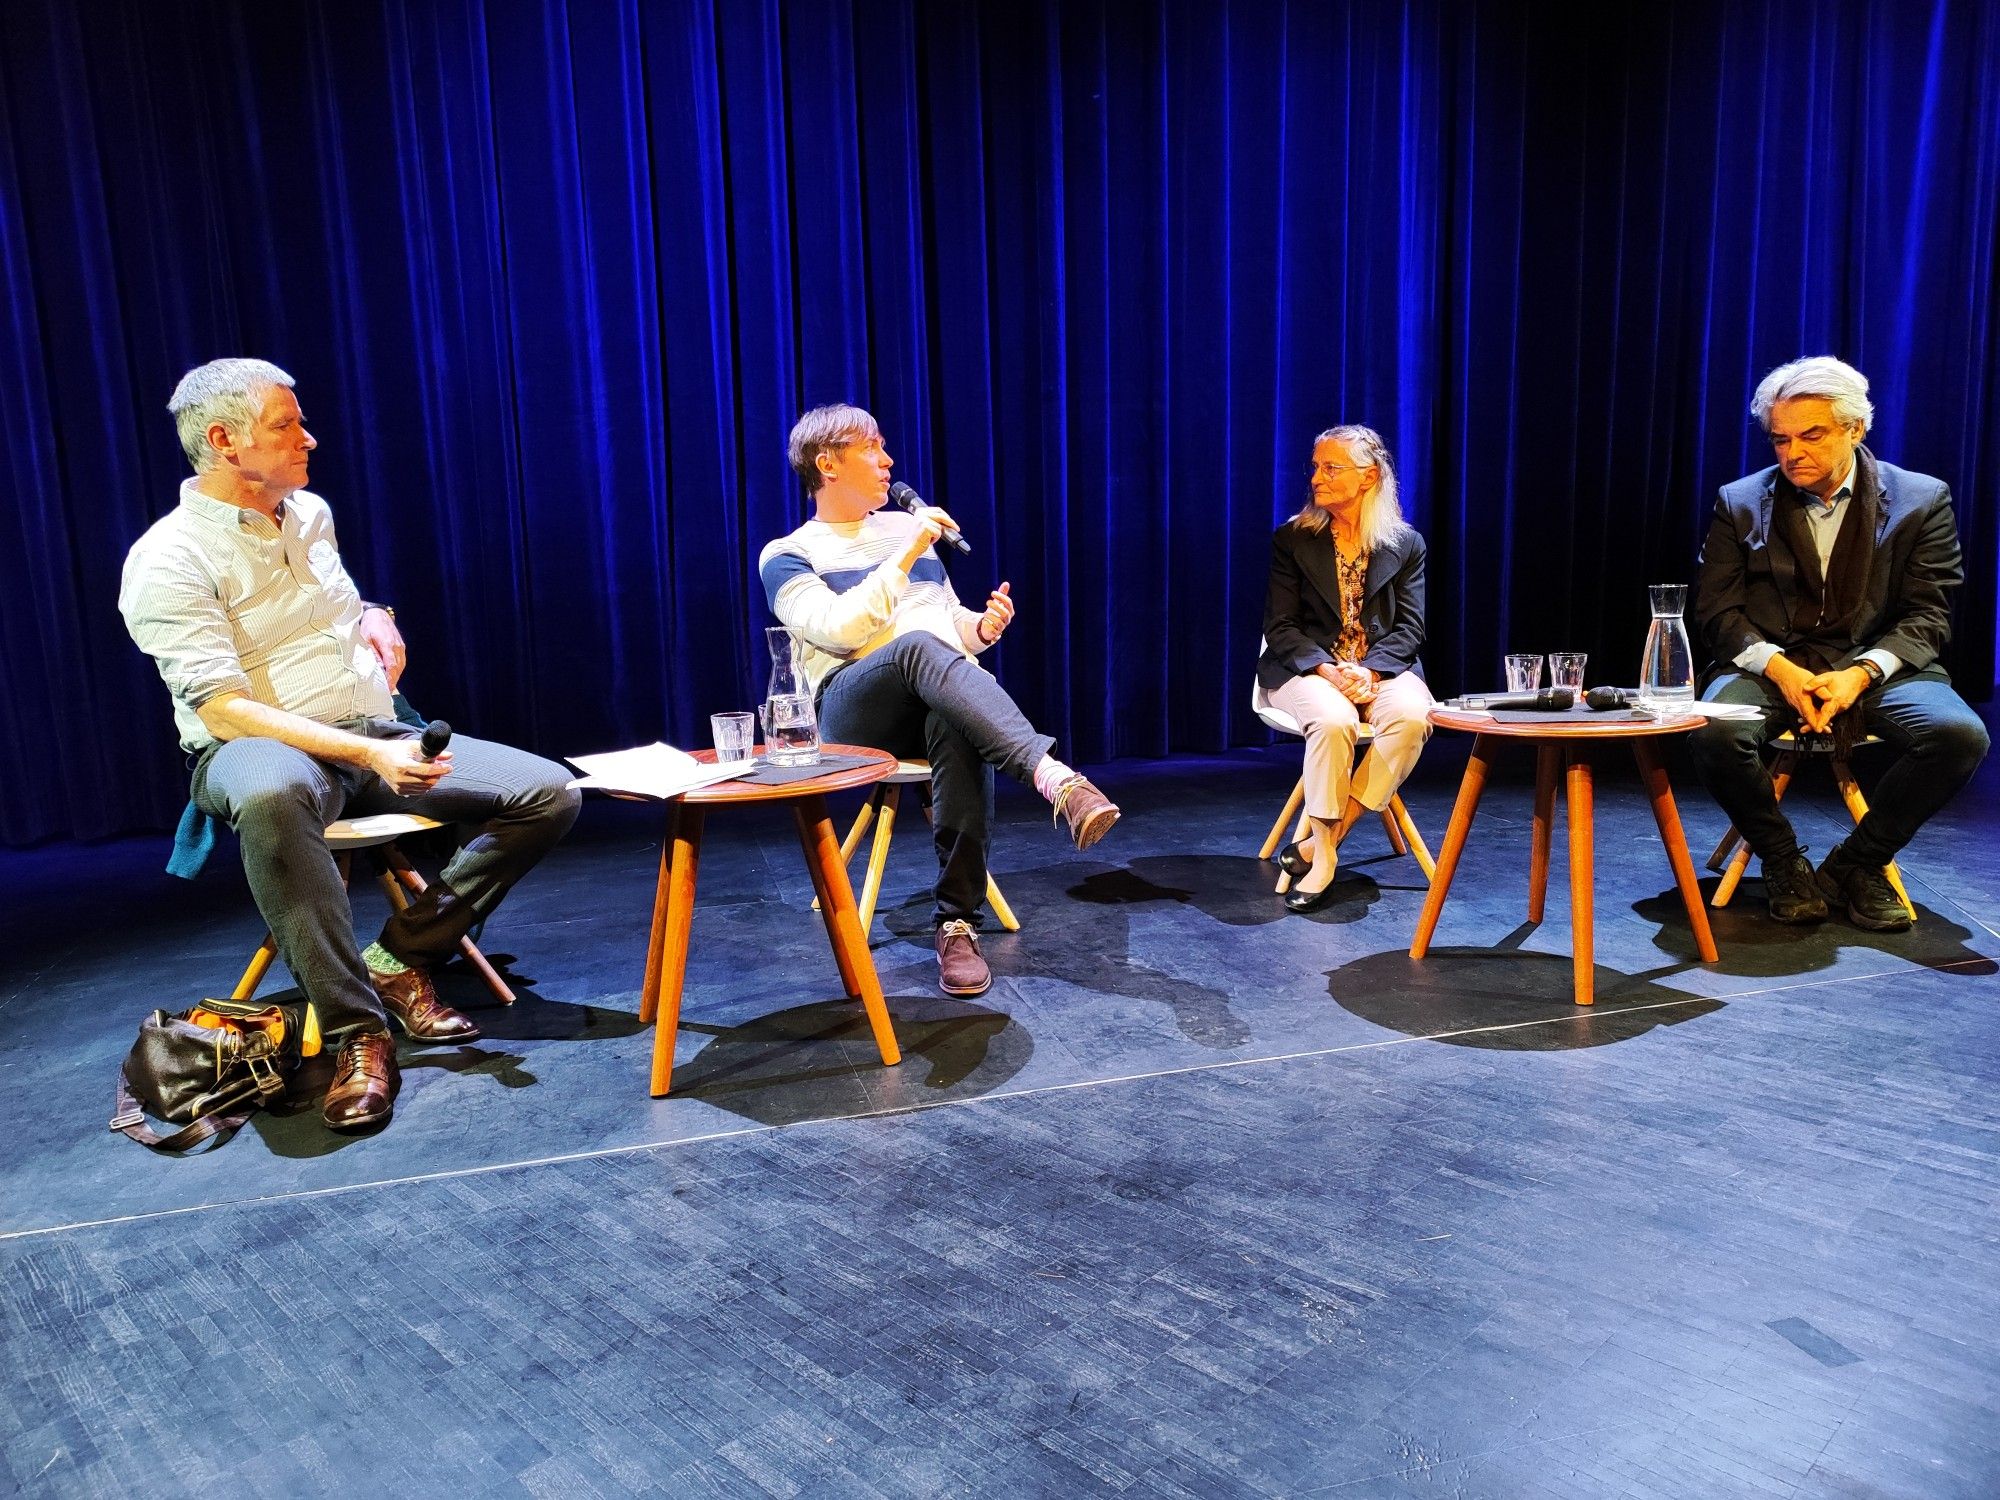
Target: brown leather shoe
412,999
961,968
365,1081
1088,811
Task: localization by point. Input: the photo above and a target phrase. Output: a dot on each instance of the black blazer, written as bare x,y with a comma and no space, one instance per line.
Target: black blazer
1749,576
1302,605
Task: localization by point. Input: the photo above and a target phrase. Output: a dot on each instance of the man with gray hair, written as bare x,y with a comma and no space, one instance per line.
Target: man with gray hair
282,679
1824,596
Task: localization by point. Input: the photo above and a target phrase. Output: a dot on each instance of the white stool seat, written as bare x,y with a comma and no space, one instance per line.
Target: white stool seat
908,773
375,830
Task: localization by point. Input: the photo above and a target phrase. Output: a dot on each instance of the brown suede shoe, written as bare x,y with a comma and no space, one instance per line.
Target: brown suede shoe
413,1000
365,1081
961,969
1089,812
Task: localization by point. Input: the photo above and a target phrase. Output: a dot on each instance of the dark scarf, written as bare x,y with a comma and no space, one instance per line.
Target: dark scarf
1827,603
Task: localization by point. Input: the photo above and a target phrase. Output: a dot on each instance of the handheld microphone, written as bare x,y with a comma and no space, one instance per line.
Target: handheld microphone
1547,701
437,734
1604,699
903,496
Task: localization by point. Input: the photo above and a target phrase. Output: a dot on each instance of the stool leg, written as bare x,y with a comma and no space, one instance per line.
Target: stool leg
1725,888
259,966
1418,848
1857,809
469,950
843,925
878,855
1292,804
1001,909
1396,841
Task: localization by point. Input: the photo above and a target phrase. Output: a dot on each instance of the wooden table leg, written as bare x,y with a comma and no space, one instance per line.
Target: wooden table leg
1469,790
1548,763
843,921
667,947
1583,947
1654,772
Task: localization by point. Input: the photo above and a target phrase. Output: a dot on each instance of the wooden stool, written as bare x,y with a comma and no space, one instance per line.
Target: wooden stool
880,809
1790,747
381,831
1396,819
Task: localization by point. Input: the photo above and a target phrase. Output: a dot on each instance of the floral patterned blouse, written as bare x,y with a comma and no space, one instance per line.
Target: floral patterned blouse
1353,642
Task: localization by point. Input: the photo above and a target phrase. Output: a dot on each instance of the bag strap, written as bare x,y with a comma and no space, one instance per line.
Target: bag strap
130,1121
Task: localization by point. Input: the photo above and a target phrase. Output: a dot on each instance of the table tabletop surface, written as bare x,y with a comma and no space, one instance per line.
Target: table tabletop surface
1588,726
880,764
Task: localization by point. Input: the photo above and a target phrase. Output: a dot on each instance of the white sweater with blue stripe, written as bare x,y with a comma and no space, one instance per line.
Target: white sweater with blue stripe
836,586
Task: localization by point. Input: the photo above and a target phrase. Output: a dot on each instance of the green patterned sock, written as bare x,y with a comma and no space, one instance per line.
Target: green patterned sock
381,960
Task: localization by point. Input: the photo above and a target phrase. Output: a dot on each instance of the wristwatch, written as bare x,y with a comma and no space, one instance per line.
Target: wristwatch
1873,669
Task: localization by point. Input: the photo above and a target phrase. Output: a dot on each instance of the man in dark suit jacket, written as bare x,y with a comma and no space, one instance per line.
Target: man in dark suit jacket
1824,595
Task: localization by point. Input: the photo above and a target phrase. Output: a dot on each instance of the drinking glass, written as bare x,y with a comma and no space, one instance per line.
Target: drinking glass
734,734
1524,673
1566,670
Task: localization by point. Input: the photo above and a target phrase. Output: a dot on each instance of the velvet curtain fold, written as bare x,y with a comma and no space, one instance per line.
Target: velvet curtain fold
555,278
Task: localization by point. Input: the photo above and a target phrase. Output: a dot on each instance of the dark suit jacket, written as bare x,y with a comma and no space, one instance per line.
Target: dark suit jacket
1302,606
1749,577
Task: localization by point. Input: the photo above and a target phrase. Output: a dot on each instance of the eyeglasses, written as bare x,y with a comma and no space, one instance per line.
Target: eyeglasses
1313,471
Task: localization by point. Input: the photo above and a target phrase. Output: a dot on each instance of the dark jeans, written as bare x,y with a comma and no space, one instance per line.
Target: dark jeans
1940,741
512,808
919,699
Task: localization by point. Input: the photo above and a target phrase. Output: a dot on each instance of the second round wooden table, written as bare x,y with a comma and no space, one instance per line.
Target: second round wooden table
1566,748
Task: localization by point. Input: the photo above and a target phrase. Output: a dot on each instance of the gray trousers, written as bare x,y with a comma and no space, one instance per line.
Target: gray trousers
917,697
511,808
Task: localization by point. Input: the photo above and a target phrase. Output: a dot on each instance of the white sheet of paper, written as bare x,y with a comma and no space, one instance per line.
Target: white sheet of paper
654,770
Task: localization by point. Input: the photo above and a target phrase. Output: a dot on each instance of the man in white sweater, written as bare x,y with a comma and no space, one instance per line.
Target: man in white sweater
890,653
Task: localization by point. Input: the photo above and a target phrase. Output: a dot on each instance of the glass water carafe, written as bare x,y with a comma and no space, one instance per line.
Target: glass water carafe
1666,673
791,730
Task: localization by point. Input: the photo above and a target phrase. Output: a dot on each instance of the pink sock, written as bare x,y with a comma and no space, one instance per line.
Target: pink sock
1050,775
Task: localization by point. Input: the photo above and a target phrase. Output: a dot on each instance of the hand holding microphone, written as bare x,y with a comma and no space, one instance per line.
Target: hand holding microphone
905,498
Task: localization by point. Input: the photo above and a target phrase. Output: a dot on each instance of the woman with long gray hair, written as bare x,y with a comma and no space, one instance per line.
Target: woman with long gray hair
1343,621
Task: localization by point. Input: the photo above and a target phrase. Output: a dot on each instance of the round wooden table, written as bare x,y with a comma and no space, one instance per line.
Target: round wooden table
1570,745
673,899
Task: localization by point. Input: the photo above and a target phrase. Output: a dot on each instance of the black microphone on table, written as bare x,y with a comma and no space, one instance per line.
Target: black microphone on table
1547,701
1604,699
437,734
902,496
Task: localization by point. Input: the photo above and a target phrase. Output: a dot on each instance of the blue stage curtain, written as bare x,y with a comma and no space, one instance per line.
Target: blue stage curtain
555,278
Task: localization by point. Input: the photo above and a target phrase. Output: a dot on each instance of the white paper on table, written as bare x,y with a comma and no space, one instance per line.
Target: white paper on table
1720,710
654,770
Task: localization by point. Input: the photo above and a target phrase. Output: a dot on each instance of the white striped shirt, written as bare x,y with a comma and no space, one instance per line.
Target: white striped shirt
836,586
224,600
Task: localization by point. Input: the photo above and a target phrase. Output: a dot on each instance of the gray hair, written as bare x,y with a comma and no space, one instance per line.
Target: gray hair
1821,376
229,391
822,430
1381,508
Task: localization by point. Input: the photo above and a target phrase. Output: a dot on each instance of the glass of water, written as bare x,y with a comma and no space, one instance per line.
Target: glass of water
791,730
1566,670
1524,673
734,734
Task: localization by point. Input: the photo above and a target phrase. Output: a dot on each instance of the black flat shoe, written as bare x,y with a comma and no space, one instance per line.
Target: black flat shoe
1311,901
1292,862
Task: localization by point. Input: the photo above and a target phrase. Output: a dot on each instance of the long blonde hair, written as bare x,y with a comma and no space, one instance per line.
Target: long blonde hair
1381,509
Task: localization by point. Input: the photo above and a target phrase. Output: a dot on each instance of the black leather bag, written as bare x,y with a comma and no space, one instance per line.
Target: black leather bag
209,1068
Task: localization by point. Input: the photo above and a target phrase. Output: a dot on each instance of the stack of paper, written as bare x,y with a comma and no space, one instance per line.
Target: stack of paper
654,770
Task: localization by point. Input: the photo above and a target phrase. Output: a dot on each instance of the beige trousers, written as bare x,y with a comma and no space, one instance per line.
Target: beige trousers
1398,715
